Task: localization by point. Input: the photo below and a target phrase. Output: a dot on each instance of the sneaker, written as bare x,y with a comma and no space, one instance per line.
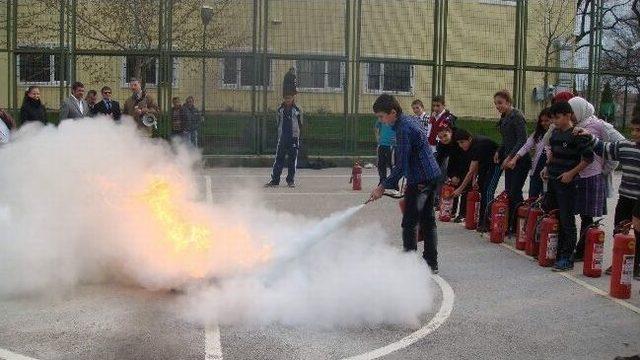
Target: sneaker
458,219
291,184
608,271
434,269
563,265
271,184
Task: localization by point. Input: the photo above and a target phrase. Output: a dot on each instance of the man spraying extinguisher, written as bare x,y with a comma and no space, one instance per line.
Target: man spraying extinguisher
416,163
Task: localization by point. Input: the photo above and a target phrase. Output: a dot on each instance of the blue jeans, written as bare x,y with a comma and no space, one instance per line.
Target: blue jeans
192,137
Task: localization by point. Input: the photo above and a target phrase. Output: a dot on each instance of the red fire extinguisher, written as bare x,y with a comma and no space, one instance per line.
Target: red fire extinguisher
446,202
548,240
473,209
624,246
531,246
521,223
593,250
356,177
499,218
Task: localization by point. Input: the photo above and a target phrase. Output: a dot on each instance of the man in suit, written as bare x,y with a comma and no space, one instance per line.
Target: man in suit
107,106
75,107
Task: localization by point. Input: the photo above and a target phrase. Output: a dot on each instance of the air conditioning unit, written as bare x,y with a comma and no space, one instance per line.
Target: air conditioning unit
539,94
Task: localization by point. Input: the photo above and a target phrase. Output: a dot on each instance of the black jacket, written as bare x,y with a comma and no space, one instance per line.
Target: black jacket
458,163
32,110
101,108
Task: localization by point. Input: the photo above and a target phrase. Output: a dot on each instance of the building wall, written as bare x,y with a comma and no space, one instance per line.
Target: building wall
478,31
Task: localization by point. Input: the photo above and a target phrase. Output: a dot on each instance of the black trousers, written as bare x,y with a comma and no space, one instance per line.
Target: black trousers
419,210
286,148
562,197
488,179
514,180
385,155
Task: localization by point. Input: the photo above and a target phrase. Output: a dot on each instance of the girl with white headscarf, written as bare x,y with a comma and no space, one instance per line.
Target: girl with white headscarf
591,185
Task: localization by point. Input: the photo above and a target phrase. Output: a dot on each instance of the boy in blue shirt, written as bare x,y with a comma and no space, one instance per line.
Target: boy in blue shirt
386,137
416,162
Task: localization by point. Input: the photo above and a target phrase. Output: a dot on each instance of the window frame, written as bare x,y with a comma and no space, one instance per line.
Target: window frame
238,83
175,73
365,79
326,88
52,72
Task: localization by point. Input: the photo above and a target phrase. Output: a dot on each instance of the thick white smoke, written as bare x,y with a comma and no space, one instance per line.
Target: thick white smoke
74,209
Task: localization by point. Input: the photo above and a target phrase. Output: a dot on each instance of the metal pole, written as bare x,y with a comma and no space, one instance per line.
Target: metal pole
626,93
204,66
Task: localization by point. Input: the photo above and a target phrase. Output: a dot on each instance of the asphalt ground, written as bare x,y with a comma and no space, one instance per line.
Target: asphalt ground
492,302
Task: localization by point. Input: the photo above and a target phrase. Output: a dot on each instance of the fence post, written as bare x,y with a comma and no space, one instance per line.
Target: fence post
595,43
439,46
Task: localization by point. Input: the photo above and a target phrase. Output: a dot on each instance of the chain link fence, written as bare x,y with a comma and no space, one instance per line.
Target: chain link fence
344,53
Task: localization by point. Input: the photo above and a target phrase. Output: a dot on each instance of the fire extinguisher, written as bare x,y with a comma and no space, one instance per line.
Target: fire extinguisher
522,215
624,245
356,177
446,202
473,209
594,250
533,218
548,240
499,218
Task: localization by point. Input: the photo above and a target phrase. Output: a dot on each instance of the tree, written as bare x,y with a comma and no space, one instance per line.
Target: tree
125,25
552,32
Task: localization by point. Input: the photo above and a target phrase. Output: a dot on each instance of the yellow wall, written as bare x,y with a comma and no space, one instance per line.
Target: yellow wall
477,32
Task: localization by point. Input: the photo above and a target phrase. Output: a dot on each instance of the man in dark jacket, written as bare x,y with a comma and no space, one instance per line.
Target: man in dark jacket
107,106
289,121
190,120
289,85
456,166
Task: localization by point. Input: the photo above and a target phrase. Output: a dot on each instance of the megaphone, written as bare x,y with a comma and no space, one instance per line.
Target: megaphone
149,120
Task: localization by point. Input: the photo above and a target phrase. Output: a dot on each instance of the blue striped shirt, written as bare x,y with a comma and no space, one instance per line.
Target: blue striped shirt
415,161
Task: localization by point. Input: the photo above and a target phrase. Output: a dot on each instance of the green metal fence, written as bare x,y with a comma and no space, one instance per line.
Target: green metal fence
344,52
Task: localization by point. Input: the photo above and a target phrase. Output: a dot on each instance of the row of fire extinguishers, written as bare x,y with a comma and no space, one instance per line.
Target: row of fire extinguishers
537,233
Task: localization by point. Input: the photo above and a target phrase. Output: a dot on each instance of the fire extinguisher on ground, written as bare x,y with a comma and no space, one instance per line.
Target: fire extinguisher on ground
522,215
499,218
624,245
594,250
356,177
533,218
473,209
548,239
446,202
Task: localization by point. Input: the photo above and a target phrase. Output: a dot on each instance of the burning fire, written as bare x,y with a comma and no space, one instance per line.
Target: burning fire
193,242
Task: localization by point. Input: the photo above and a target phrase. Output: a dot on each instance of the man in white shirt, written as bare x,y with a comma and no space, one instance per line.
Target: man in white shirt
75,107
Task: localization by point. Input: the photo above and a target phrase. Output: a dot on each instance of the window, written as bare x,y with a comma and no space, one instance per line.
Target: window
319,74
238,72
391,77
39,68
148,67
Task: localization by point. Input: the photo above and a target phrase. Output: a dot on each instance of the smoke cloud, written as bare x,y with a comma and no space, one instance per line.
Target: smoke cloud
91,201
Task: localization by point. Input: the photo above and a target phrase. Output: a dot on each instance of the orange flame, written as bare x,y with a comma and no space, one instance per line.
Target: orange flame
190,243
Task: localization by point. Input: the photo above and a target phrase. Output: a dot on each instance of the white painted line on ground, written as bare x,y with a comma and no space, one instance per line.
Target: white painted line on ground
601,292
347,176
8,355
208,183
448,297
582,283
303,193
213,348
